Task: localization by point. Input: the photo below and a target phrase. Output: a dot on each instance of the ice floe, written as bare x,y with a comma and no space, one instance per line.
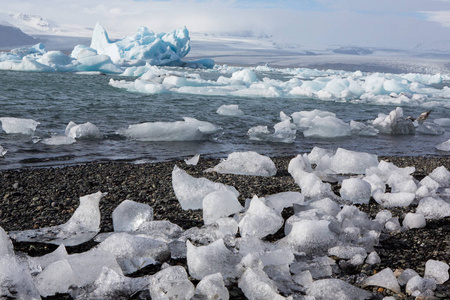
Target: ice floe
18,125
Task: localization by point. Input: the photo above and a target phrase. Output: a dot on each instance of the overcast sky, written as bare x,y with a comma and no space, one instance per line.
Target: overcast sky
375,23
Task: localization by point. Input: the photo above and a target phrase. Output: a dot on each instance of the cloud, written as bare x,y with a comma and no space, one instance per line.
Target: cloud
441,17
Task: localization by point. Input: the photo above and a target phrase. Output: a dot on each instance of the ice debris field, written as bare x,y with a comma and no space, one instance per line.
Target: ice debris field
326,232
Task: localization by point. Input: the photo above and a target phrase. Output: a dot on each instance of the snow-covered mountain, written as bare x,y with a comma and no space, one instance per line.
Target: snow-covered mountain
11,36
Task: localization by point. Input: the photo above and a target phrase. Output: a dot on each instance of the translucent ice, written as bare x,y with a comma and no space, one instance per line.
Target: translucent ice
441,175
193,161
331,289
405,276
327,206
352,162
385,278
304,119
81,227
437,270
190,191
362,129
327,127
393,199
219,204
129,215
317,153
346,252
59,254
188,130
15,279
430,128
6,246
210,259
433,208
246,163
18,126
394,123
285,199
58,140
413,220
2,151
355,190
256,285
260,220
56,278
268,253
418,285
171,283
230,110
373,258
212,287
82,131
319,267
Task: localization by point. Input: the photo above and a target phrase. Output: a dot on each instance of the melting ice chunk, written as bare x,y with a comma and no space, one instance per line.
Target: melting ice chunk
219,204
82,131
81,227
385,278
6,246
230,110
331,289
246,163
212,287
285,199
19,126
193,161
56,278
437,270
171,283
355,190
2,151
190,191
58,140
394,123
433,208
15,279
352,162
255,284
327,127
129,215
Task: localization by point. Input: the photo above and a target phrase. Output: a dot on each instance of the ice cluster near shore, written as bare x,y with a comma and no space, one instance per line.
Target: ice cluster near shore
325,232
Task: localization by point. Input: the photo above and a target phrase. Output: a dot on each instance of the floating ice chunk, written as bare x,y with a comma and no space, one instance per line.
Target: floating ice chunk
6,246
210,259
430,128
230,110
82,131
171,283
100,63
445,146
2,151
385,278
356,190
352,162
418,285
256,285
436,270
81,227
406,276
441,175
58,140
331,289
56,278
15,279
327,127
260,220
311,236
245,76
190,191
129,215
188,130
303,119
135,251
59,254
413,220
433,208
219,204
373,258
393,199
285,199
211,287
394,123
18,126
283,133
193,161
246,163
444,122
362,129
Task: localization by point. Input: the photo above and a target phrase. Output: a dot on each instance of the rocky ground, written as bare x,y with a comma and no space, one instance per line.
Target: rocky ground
34,198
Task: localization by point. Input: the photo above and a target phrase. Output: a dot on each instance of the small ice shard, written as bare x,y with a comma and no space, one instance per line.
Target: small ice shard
58,140
6,246
385,278
81,227
393,199
18,126
405,276
413,220
171,282
373,258
83,131
319,267
246,163
129,215
331,289
260,220
356,190
193,161
219,204
394,123
392,225
433,208
444,122
346,252
56,278
256,285
15,279
285,199
230,110
418,285
210,259
133,252
59,254
283,131
2,151
190,191
436,270
327,127
211,287
352,162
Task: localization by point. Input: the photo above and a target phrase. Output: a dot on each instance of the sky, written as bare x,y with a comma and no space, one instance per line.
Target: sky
373,23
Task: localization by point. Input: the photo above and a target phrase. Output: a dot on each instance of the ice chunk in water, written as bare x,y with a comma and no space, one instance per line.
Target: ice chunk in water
210,259
437,270
171,283
418,285
211,287
256,285
444,146
81,227
56,278
285,199
385,278
83,131
193,161
230,110
260,220
433,208
394,123
327,127
331,289
430,128
6,246
283,131
133,252
444,122
59,254
2,151
413,220
129,215
19,126
304,119
246,163
355,190
327,206
15,280
352,162
58,140
219,204
190,191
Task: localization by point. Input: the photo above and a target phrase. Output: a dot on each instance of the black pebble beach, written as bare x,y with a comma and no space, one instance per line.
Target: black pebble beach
41,197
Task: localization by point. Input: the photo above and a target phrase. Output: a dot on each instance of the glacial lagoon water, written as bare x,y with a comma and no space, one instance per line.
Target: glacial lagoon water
55,99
